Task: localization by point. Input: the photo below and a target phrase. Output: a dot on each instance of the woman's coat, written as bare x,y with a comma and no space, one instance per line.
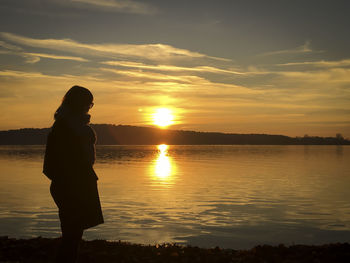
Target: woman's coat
68,163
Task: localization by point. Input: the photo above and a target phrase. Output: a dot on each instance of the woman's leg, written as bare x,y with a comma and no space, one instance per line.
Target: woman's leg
71,235
68,250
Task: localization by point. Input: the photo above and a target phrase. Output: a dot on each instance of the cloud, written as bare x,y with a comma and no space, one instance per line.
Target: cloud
192,83
155,76
156,52
142,81
301,49
72,7
138,65
124,6
23,74
322,77
28,58
9,46
51,56
321,63
32,58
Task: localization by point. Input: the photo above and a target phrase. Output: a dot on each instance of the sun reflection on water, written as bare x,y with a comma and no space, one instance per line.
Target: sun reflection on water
163,167
163,148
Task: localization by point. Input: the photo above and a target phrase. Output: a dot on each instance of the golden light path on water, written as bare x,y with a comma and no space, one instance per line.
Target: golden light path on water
163,167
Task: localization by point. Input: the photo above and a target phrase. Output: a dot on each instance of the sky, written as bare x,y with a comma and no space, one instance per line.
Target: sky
275,67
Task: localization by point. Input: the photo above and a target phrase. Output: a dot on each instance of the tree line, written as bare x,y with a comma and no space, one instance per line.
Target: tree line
108,134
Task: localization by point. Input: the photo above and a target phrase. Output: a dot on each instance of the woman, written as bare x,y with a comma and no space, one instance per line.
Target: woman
68,163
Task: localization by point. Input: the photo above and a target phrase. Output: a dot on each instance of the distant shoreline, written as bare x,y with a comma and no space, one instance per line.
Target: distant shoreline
43,250
108,134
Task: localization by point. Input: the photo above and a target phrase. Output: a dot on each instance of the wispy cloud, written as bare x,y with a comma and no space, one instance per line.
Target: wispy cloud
75,8
130,64
125,6
9,46
155,76
32,58
51,56
156,52
321,63
54,80
23,74
323,77
306,48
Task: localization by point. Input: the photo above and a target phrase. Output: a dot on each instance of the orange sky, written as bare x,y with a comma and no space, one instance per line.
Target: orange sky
270,78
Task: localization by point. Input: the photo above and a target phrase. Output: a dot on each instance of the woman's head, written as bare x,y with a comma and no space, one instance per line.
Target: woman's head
78,99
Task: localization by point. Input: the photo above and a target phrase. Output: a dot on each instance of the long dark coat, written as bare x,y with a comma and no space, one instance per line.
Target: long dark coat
68,163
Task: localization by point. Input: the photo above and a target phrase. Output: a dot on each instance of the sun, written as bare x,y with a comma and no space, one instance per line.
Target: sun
163,117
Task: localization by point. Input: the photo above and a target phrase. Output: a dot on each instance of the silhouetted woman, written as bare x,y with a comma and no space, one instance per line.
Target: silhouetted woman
68,163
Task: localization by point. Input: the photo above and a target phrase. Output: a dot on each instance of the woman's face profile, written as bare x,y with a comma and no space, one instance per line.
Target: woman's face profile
88,107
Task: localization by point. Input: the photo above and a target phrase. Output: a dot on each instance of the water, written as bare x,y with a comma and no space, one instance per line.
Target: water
228,196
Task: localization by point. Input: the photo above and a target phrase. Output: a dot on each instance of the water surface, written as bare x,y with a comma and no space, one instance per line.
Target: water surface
228,196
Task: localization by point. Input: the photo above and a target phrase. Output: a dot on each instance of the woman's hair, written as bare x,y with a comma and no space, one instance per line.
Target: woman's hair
77,100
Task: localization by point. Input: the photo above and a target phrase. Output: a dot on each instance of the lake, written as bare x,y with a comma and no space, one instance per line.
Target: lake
227,196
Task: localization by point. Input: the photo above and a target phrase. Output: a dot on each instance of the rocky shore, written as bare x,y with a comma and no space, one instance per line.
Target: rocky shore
101,251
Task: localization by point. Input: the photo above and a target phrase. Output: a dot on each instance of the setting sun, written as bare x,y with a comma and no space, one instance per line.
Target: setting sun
163,117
